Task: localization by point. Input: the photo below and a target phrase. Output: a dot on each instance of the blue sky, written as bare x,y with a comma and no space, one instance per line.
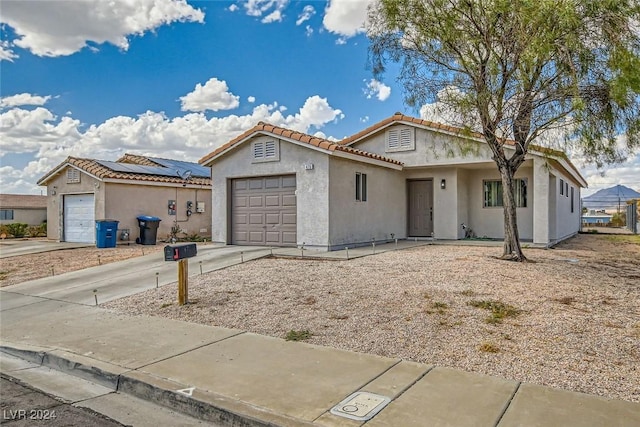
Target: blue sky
172,78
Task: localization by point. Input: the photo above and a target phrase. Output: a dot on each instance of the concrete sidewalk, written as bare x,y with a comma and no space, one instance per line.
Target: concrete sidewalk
239,378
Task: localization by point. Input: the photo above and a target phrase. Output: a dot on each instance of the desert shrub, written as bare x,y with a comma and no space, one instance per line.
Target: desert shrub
17,229
37,230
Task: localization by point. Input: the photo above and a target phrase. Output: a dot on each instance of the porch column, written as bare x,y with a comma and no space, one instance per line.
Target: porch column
540,201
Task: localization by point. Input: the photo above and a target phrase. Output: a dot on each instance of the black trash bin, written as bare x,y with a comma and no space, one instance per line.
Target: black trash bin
148,229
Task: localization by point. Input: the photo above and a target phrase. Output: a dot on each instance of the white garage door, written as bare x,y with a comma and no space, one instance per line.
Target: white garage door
79,218
264,211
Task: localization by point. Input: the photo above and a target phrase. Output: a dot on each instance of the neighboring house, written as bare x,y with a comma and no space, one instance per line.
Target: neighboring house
24,208
400,178
81,191
594,217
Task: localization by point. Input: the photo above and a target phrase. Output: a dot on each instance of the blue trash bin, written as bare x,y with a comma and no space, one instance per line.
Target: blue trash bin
106,233
148,229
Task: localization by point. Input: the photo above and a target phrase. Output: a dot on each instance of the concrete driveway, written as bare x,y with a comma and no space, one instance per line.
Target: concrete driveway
9,248
119,279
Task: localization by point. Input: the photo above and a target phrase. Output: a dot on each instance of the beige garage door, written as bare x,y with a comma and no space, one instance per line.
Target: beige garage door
263,211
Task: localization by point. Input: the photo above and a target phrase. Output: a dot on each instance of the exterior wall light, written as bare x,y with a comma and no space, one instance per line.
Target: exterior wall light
443,184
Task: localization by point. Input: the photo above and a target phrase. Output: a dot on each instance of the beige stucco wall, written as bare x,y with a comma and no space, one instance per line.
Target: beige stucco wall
354,223
55,207
567,223
445,201
312,193
489,222
125,202
431,148
31,216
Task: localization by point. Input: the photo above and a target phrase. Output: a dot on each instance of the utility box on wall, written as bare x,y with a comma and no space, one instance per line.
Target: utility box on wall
200,207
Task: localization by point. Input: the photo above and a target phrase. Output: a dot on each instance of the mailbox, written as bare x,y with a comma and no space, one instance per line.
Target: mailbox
178,252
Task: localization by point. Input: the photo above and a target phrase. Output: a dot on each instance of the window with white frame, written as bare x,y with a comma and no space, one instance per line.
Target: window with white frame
493,193
73,176
266,151
400,139
562,187
566,189
361,187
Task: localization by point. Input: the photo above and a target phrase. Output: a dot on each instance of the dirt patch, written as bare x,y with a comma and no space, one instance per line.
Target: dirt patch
23,268
570,320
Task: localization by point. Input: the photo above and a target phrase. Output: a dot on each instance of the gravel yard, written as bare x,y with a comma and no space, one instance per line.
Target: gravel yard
23,268
571,319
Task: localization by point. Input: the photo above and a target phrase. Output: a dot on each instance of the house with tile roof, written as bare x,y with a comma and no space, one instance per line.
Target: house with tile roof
24,208
81,191
402,177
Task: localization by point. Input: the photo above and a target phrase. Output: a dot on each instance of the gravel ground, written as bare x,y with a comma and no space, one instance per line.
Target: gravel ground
571,319
23,268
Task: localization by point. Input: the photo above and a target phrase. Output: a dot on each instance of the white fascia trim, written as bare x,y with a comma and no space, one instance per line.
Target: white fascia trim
364,159
158,184
572,172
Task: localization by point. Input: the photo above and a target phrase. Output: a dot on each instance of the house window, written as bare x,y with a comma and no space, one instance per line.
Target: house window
266,151
6,214
571,199
566,189
73,176
361,187
493,193
400,139
562,187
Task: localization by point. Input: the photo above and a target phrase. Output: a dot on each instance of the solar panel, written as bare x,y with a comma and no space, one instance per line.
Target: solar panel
179,165
140,169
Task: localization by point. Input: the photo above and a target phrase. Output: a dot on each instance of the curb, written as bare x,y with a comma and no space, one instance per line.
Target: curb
202,405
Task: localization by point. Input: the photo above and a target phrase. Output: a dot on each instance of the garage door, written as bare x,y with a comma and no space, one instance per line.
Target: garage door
79,219
263,211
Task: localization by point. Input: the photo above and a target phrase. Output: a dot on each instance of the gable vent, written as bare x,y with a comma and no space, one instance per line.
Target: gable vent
400,139
265,151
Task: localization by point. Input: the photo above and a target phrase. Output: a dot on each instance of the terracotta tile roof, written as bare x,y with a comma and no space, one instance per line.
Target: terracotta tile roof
314,141
136,160
399,117
100,171
23,201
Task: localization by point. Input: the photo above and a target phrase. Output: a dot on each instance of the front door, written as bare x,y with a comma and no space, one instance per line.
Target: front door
421,208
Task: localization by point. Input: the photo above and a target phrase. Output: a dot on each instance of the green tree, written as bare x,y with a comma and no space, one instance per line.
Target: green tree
515,70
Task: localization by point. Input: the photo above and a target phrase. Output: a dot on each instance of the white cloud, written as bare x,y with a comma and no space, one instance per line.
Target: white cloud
6,53
50,139
341,41
346,17
58,28
377,89
308,31
233,8
364,119
272,8
251,99
214,96
23,99
275,16
306,14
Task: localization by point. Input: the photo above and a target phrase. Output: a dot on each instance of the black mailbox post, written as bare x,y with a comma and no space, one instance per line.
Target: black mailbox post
178,252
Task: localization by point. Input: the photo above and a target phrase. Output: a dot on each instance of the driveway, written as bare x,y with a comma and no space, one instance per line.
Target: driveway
10,248
119,279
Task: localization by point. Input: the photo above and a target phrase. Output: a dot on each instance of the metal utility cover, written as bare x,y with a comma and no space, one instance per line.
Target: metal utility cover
360,406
